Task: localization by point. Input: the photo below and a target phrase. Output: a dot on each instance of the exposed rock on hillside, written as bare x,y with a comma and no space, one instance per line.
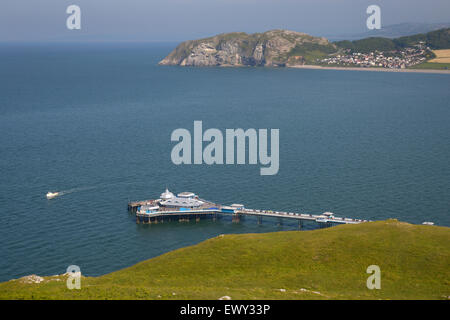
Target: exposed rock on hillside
275,48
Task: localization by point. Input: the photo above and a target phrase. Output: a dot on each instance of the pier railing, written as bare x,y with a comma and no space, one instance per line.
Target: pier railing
214,210
300,216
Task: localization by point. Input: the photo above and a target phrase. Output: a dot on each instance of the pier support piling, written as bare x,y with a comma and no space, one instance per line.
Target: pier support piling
259,219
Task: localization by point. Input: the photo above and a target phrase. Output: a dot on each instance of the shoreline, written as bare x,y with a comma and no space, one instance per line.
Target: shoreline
371,69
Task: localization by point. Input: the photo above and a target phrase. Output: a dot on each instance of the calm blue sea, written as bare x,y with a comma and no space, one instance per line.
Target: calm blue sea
96,119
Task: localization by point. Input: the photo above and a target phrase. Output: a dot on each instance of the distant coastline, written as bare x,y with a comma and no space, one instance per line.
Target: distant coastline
370,69
286,48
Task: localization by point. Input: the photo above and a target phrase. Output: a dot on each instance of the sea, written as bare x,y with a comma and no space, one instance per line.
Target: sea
94,122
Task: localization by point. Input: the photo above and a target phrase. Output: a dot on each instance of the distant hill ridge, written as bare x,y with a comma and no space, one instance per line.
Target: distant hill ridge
279,48
439,39
394,31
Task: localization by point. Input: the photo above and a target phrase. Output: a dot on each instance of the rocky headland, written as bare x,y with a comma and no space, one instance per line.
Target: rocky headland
275,48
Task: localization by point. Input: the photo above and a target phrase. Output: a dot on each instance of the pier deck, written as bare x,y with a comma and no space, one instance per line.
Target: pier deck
300,216
214,210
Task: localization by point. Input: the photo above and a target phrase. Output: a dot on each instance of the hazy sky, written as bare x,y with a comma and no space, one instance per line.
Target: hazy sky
175,20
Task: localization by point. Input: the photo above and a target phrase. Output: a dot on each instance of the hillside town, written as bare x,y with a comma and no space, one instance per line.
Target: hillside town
398,59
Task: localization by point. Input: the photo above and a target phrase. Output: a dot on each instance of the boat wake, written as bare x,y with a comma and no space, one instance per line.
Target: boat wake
61,193
51,195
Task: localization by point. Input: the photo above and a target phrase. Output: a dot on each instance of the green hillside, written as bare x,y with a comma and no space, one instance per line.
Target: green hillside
321,264
439,39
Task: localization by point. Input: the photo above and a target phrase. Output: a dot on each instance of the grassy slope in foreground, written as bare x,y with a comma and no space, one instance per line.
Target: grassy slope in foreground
332,262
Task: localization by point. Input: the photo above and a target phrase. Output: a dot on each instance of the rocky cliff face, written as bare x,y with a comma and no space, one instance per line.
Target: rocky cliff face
275,48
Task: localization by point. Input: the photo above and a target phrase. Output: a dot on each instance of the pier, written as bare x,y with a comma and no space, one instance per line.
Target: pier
325,219
186,206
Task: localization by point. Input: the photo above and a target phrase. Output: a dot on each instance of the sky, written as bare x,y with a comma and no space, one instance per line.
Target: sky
179,20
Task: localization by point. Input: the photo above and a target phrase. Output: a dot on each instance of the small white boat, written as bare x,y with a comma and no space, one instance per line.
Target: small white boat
51,195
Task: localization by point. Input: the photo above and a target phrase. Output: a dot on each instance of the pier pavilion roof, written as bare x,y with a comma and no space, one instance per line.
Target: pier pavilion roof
186,195
167,195
181,202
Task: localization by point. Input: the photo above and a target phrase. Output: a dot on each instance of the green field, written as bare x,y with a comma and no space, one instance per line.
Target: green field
320,264
432,65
